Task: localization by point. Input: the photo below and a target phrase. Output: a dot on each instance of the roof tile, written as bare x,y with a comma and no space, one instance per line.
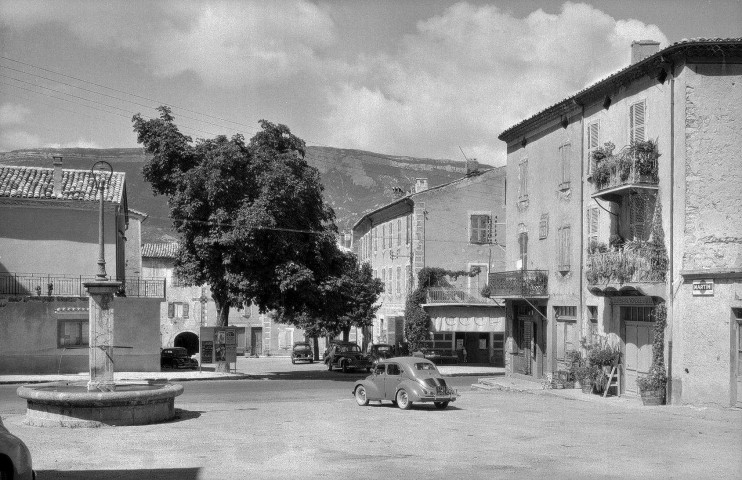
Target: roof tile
38,182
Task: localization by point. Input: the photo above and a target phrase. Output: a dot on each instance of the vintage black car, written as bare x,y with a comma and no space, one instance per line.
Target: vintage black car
380,351
346,356
177,357
302,351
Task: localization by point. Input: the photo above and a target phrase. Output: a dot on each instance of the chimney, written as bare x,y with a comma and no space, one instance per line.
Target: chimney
641,49
421,184
57,180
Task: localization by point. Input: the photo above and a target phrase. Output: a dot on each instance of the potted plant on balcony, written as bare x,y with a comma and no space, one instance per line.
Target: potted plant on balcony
652,387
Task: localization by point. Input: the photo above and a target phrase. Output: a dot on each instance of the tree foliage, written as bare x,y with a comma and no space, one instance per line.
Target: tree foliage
349,299
251,217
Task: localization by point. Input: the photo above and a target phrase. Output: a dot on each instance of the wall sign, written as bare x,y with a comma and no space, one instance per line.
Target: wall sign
703,288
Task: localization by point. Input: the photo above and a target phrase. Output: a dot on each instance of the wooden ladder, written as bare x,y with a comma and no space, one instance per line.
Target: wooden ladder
614,380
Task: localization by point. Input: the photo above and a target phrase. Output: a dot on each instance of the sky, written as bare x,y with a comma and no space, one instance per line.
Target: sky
413,78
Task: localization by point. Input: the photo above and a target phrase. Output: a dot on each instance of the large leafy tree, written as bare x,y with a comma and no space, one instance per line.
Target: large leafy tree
251,217
349,299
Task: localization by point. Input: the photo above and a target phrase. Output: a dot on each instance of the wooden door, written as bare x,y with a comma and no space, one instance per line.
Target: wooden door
256,341
638,353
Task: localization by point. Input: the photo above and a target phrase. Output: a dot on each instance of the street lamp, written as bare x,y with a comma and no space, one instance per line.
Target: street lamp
101,172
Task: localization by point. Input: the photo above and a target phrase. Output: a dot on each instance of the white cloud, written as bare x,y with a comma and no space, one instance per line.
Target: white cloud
13,113
472,72
79,143
18,139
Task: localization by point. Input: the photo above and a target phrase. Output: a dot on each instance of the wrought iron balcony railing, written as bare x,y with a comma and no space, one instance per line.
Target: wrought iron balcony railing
630,167
456,295
60,285
520,283
647,265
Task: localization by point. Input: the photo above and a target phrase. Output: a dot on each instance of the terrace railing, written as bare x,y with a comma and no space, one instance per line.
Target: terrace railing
456,295
627,168
520,283
628,266
60,285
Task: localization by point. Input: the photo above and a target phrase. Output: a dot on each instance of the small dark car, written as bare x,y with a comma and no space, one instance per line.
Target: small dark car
177,357
15,459
404,380
302,352
346,356
380,351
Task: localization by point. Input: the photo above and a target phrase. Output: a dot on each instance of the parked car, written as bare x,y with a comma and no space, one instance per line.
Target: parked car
440,355
176,357
403,381
15,458
380,351
346,356
302,351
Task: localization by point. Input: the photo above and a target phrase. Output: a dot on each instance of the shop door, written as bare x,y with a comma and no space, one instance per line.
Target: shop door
525,348
638,353
256,341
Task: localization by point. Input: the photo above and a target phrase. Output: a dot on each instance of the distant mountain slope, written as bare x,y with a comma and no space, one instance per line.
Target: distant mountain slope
355,181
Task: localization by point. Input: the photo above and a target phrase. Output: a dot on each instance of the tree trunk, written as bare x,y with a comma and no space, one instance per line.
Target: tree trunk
316,348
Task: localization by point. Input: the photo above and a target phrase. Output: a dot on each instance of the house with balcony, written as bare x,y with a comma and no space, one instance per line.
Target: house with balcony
651,216
455,226
48,250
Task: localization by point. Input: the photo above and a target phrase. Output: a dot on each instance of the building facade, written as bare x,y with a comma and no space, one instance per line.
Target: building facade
456,227
650,157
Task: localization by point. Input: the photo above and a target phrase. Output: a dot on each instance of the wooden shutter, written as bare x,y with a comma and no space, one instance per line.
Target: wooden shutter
593,216
565,241
593,141
186,308
566,153
170,310
636,121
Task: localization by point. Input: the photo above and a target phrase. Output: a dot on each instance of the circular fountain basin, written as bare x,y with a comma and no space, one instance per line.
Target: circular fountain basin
69,404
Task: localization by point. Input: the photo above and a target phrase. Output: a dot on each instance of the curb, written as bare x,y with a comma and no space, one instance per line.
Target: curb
167,379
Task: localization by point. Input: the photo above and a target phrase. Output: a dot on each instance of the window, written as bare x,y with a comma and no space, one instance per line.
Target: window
593,216
593,142
637,113
565,246
408,278
393,369
637,314
383,281
523,246
399,231
383,237
480,280
565,155
566,317
592,316
481,229
390,286
523,174
177,310
376,239
399,281
286,338
641,210
543,226
72,333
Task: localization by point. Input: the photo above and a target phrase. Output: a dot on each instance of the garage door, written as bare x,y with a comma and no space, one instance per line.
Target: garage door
638,353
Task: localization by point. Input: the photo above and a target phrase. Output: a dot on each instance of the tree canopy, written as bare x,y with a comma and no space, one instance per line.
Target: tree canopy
252,220
349,300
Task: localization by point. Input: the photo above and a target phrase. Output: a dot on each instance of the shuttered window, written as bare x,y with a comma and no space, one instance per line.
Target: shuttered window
566,317
637,114
523,172
593,216
565,246
565,155
376,239
543,226
383,281
170,310
408,219
480,229
399,281
399,231
523,245
383,237
641,210
593,142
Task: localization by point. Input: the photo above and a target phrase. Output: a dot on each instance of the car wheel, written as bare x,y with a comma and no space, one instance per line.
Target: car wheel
361,398
403,401
440,405
311,361
344,366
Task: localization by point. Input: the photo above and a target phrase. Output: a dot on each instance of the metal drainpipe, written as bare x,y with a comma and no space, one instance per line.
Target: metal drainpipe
671,296
582,216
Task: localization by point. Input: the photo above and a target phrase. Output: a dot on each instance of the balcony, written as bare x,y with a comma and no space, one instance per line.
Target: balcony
520,283
60,285
635,166
456,296
644,265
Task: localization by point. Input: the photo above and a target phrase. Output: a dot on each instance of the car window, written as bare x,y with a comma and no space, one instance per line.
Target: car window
379,370
384,349
393,369
425,366
301,347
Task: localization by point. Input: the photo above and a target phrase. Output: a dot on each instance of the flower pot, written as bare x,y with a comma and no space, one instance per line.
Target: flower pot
653,397
587,387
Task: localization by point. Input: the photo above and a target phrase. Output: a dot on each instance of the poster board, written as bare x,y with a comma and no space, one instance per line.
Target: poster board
218,344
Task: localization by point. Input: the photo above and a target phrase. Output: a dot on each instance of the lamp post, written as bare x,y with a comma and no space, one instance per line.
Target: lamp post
102,172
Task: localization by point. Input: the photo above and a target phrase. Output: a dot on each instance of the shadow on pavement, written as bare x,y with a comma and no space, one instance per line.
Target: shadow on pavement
313,375
150,474
183,415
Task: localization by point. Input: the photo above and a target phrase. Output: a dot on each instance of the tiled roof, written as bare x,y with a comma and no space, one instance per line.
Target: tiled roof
707,47
38,183
159,250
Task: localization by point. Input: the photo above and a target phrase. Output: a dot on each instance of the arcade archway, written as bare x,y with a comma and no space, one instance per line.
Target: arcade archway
188,340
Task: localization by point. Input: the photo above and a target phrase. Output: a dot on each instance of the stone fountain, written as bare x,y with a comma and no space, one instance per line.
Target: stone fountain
101,401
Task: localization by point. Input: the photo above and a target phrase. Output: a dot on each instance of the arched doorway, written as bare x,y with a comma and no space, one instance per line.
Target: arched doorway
188,340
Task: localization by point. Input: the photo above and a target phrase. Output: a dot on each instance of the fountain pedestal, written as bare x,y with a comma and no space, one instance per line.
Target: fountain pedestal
100,350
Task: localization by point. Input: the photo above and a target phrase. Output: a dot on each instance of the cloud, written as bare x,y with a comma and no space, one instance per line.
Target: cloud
465,76
79,143
12,113
18,139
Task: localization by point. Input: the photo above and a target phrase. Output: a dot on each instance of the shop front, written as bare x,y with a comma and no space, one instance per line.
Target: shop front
471,334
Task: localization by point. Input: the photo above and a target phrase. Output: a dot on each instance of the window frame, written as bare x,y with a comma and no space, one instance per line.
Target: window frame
481,231
523,179
633,128
565,164
590,147
564,248
84,324
543,226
